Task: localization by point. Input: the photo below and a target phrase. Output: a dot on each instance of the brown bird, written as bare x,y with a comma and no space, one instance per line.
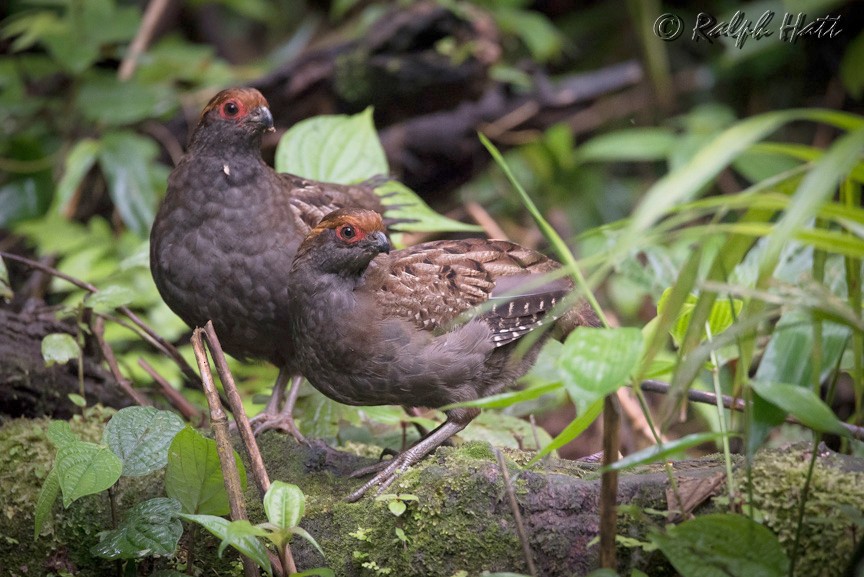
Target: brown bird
373,327
224,238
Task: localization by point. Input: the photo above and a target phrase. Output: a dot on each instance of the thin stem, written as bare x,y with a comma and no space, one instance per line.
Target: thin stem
721,419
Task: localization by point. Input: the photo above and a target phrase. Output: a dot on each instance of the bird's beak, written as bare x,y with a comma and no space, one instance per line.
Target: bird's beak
263,116
379,241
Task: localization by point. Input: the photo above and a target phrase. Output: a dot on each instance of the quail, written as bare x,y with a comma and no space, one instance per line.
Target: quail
430,325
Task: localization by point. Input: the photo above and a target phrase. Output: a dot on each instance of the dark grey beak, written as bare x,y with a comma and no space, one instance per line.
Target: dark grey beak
263,116
379,241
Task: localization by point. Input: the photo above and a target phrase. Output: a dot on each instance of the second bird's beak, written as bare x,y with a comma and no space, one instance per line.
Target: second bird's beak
263,116
379,241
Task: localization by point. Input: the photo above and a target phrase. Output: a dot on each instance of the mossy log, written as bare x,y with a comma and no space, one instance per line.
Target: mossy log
460,524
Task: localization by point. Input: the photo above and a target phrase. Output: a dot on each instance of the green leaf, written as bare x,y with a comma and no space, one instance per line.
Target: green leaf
238,534
723,546
397,507
78,163
194,474
284,504
45,502
723,314
125,160
140,436
105,100
801,403
402,204
150,528
77,400
509,398
59,348
338,148
60,434
543,40
109,298
658,452
85,469
595,362
635,144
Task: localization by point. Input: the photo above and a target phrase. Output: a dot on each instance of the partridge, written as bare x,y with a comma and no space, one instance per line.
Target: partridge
430,325
225,235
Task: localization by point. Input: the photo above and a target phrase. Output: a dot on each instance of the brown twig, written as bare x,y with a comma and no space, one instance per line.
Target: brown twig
731,403
157,341
517,515
609,483
219,424
189,411
259,473
142,38
98,328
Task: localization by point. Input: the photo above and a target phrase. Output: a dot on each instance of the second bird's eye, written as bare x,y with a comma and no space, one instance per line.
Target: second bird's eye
348,232
231,109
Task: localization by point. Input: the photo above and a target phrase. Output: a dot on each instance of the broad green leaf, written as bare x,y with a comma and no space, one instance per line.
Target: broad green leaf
412,214
77,400
149,529
397,507
576,427
658,452
140,436
723,546
802,403
47,495
238,534
110,298
78,163
60,434
509,398
105,100
284,504
85,469
595,362
628,145
194,474
125,160
59,348
338,148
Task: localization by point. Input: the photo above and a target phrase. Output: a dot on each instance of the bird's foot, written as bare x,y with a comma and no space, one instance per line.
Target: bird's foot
387,472
280,421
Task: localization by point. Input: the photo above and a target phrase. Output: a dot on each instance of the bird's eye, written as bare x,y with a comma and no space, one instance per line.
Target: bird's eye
231,108
347,232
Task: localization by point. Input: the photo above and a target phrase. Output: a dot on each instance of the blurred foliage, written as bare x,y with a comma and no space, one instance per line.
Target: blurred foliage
723,218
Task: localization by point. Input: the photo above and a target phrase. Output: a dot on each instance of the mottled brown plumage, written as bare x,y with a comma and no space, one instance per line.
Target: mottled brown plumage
430,325
224,238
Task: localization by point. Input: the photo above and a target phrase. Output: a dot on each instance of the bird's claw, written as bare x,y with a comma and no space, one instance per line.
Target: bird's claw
391,470
277,422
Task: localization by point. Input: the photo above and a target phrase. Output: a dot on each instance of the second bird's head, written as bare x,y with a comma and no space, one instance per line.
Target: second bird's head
238,115
344,242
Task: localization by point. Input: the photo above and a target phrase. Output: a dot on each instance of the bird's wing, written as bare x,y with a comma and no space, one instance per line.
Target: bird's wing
314,200
433,284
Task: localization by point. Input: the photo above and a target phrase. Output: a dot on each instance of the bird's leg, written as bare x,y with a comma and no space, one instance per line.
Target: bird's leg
457,419
281,419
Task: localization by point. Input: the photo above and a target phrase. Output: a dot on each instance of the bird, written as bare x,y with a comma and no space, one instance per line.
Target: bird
429,325
224,238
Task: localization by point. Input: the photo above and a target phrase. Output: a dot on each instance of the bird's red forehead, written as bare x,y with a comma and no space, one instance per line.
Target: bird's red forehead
366,220
249,97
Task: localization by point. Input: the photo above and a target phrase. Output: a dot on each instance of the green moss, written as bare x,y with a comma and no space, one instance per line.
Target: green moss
828,535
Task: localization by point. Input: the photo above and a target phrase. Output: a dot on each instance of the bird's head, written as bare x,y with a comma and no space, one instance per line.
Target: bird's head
236,115
345,242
